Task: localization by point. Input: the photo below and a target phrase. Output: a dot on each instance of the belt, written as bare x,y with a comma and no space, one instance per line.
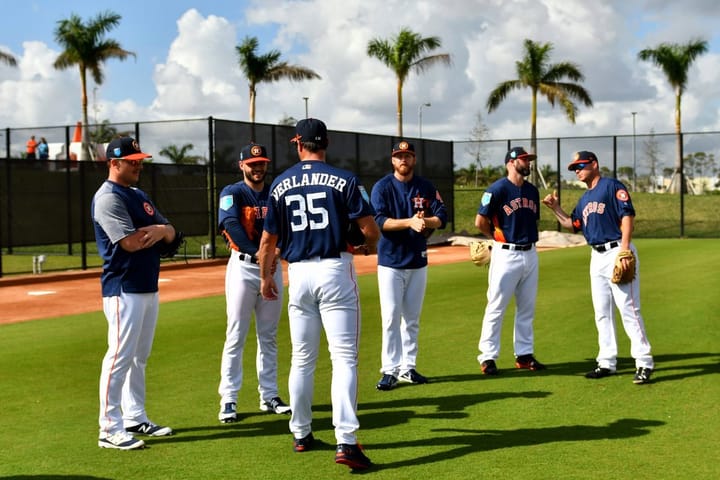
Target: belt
604,247
512,246
247,258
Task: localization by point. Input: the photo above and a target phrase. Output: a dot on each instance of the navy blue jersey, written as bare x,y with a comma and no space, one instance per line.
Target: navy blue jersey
117,212
392,198
310,207
241,215
514,211
600,210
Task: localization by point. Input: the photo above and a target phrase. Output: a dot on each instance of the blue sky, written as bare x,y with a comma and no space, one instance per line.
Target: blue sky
186,65
147,28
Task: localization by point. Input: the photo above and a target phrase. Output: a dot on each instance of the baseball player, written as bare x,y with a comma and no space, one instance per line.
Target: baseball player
408,208
310,207
241,215
509,212
131,236
606,217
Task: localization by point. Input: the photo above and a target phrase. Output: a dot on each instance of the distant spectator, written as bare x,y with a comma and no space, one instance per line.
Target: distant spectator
31,146
43,150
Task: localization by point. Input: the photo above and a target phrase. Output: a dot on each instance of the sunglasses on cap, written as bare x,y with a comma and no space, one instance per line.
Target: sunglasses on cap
580,166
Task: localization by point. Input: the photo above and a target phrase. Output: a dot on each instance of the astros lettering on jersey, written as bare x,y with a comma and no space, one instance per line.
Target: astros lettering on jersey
598,220
521,202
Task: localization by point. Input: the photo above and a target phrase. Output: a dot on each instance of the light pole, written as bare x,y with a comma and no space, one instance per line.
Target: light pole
633,155
420,117
306,107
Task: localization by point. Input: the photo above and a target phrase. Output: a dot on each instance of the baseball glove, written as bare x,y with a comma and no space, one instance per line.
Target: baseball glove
357,241
354,235
480,252
169,250
621,275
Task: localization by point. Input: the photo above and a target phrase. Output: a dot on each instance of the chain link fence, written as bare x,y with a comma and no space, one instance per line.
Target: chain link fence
44,204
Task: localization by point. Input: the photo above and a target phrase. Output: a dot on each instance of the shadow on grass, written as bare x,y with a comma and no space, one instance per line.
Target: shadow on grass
448,407
274,425
472,441
668,367
451,404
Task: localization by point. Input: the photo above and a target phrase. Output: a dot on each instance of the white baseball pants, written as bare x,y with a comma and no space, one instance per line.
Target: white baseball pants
402,292
323,294
626,297
131,318
242,297
511,272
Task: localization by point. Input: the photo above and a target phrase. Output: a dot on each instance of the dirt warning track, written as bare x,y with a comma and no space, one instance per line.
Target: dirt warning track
32,297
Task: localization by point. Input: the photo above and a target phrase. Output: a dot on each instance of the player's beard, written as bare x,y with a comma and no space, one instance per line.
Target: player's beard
404,169
251,178
524,171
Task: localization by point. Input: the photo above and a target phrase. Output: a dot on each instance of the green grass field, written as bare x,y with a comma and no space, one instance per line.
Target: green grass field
520,425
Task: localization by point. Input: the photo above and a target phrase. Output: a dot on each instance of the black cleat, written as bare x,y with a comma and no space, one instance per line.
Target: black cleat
599,372
387,382
150,429
303,444
352,456
412,376
642,375
529,362
488,367
275,405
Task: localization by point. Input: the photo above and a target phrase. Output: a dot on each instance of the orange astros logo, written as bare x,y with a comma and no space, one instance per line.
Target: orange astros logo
135,145
255,150
622,195
148,208
404,146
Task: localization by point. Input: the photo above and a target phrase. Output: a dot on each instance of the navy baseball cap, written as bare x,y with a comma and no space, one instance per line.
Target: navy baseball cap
403,147
254,153
582,157
311,130
519,152
126,148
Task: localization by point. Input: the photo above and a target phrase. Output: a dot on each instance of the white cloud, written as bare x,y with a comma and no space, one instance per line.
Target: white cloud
199,76
35,93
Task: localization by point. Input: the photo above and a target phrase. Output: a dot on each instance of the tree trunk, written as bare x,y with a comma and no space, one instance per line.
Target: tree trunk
84,145
252,113
534,177
676,182
399,109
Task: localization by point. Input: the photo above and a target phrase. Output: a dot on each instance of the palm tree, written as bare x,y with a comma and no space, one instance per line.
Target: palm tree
288,120
85,46
179,155
104,132
403,54
675,61
7,59
266,68
536,73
